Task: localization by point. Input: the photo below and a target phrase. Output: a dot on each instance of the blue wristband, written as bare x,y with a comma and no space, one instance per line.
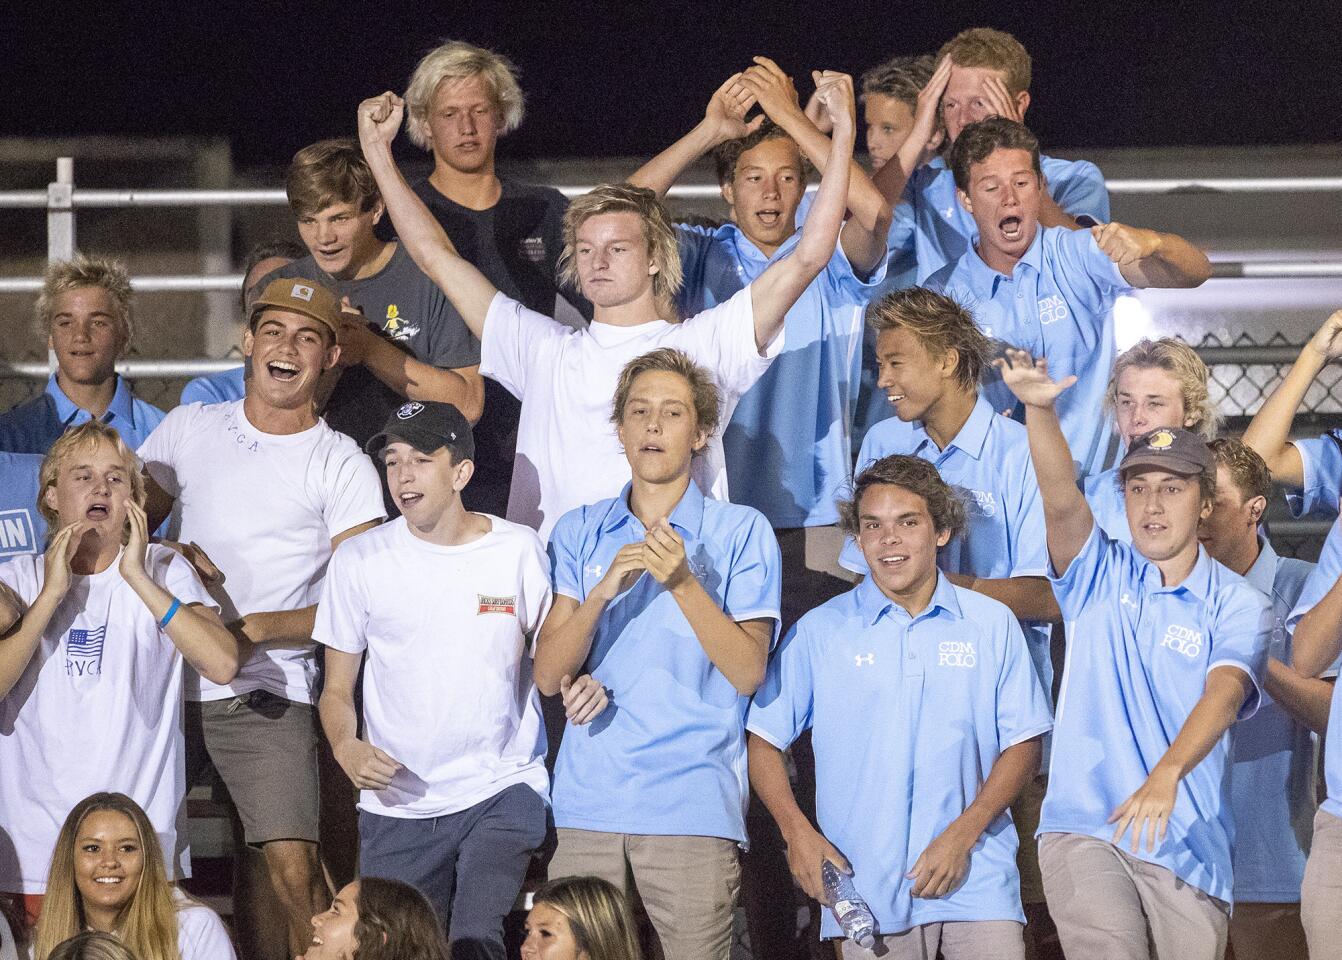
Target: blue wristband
172,612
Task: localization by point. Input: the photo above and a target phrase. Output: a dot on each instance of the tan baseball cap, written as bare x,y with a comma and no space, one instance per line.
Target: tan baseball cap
295,294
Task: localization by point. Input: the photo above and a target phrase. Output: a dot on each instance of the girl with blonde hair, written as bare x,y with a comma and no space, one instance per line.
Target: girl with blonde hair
107,874
580,918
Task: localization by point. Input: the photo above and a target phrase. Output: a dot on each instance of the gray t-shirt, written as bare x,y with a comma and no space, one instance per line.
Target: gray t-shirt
404,307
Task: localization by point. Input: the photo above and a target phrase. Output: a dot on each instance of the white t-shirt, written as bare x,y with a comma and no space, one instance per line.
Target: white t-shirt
447,688
99,707
567,452
264,507
200,933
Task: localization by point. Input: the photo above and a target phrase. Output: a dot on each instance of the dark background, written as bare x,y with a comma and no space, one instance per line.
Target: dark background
607,79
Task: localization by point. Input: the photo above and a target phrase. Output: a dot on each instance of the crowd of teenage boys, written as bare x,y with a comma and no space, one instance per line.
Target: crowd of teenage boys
836,531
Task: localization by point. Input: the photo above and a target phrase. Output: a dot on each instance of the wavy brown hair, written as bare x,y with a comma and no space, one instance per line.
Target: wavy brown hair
396,922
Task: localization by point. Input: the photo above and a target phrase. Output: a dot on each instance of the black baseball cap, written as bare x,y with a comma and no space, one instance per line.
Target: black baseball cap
1173,449
428,426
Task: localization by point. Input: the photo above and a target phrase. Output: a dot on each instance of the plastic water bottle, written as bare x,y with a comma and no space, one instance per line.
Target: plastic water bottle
849,908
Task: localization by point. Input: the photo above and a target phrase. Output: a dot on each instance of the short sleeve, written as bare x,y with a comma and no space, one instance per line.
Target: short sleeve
20,575
1321,579
159,450
843,280
215,388
1083,192
1022,705
1080,255
1321,459
723,340
565,561
782,706
175,574
754,580
342,612
451,344
1241,637
515,338
201,935
535,587
354,494
1081,581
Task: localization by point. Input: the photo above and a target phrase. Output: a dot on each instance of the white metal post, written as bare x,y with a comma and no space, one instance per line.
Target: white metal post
60,221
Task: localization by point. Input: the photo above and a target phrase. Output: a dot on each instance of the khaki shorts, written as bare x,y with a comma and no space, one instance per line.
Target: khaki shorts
689,885
264,749
1321,893
965,940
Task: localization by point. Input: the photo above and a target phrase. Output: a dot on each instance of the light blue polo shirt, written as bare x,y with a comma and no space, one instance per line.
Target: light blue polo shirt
1321,459
988,463
22,529
789,443
1138,655
1272,780
1107,504
901,269
668,756
1318,583
1057,303
907,717
32,427
944,228
215,388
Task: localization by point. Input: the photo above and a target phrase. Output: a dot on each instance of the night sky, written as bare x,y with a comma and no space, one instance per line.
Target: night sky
623,79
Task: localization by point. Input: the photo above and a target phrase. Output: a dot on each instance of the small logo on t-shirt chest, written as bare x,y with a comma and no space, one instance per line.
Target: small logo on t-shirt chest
489,604
532,248
396,327
84,652
1183,640
240,437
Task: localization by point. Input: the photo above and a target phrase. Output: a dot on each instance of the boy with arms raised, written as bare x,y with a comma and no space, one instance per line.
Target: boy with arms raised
672,600
924,708
1166,648
619,244
1050,290
1273,778
452,760
267,490
94,635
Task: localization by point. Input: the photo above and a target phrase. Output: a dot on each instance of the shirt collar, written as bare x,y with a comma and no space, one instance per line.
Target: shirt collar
745,247
1198,582
984,279
872,603
972,436
688,517
120,409
1263,574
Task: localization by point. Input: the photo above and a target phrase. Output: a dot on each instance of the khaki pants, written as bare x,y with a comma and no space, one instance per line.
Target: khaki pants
1266,931
1109,905
1321,893
966,940
689,885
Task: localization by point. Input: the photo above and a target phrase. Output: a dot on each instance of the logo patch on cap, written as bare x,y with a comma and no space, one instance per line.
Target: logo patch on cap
301,292
408,410
1161,440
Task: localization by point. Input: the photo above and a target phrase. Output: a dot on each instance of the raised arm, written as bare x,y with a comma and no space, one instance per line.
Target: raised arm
775,290
1269,431
864,235
1317,640
1148,258
1067,516
425,240
724,119
923,140
1148,810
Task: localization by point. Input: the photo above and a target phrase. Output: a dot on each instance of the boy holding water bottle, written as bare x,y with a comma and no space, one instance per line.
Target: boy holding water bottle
923,705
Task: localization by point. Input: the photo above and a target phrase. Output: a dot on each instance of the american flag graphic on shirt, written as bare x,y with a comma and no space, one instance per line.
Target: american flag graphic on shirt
86,644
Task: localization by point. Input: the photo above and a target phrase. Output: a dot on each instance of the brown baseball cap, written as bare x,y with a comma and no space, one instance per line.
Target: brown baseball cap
297,295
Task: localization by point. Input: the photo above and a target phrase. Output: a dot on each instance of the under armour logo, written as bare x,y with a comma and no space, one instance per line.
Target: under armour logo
868,660
1127,601
595,570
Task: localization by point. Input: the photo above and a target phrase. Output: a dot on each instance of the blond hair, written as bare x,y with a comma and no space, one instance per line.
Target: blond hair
62,276
456,60
1182,363
84,437
91,945
658,231
598,916
986,47
147,925
940,324
670,360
